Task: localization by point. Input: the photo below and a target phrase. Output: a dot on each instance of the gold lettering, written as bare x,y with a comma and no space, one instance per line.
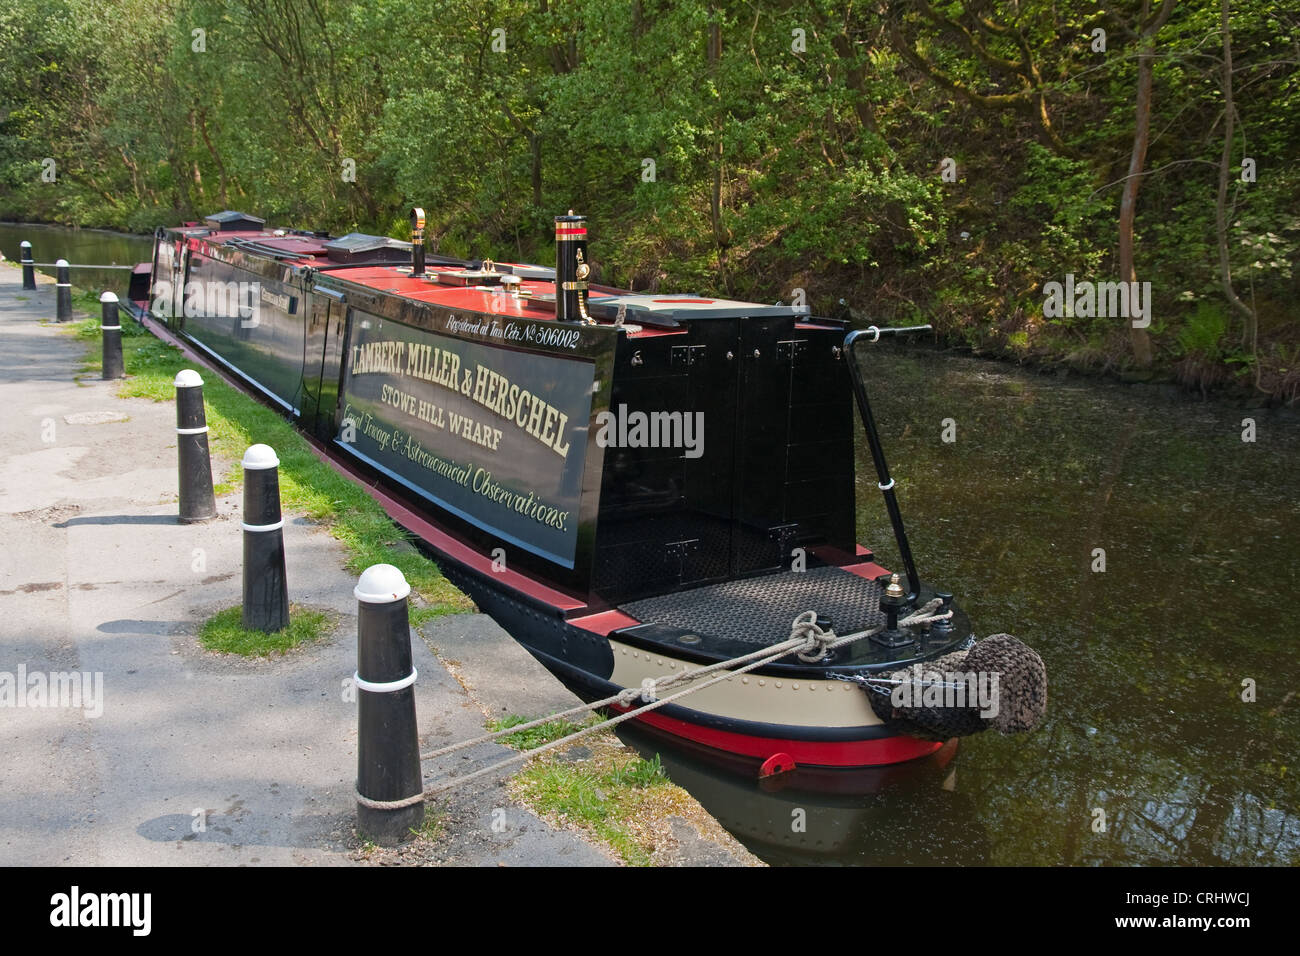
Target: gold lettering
535,416
548,436
561,450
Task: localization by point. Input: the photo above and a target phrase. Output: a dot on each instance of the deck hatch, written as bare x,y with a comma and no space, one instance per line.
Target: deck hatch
230,220
358,247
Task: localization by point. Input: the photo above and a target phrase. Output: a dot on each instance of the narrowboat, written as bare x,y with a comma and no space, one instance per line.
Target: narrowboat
631,484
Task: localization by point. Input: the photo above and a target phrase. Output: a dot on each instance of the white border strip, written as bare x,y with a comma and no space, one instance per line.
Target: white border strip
263,527
194,431
388,688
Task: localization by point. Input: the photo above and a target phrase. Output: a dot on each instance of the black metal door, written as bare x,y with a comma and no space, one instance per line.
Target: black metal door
760,532
321,360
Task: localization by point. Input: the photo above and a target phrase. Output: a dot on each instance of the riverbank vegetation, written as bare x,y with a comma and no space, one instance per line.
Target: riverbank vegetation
893,161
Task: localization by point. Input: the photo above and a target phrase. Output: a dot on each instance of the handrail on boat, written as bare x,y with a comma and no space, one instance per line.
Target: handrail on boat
886,483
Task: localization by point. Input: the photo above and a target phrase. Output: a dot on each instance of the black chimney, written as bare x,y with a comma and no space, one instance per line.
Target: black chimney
571,268
417,242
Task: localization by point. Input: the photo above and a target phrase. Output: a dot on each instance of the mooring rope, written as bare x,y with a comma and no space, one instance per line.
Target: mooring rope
805,623
805,638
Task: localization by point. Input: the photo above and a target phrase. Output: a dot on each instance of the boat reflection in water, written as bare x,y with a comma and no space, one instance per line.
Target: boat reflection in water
903,814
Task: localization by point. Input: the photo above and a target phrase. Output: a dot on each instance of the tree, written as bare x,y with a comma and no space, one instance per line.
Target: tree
1149,25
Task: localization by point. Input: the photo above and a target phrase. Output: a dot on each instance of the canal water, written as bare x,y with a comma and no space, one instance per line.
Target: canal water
80,247
1153,751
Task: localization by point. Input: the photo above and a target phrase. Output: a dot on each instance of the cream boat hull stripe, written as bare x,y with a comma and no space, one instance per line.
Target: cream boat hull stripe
760,698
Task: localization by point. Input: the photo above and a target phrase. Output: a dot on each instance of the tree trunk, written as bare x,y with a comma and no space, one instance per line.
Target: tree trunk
715,197
224,193
535,141
1139,340
1249,326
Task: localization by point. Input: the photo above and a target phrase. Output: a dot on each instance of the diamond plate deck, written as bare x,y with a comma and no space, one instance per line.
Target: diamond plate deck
759,610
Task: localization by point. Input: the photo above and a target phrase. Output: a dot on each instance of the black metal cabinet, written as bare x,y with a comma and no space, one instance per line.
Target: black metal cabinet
773,401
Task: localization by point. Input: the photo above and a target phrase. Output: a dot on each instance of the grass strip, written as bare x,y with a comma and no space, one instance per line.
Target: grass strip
605,794
224,632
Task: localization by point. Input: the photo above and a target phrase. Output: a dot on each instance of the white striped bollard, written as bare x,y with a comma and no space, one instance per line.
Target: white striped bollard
390,789
266,594
63,291
29,268
194,475
110,327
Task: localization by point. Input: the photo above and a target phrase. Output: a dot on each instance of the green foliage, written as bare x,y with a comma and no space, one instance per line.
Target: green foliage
1204,330
541,734
639,772
793,146
605,799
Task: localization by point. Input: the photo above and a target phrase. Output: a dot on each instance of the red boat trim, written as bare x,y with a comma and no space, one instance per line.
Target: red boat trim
849,753
867,569
777,763
605,622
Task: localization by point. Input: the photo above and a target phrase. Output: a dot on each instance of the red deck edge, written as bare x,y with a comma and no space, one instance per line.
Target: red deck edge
604,622
808,753
867,569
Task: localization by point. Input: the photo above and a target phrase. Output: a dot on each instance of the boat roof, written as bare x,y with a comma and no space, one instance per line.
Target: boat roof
450,285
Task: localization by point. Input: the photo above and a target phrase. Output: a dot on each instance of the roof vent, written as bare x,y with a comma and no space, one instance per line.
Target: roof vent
231,221
358,247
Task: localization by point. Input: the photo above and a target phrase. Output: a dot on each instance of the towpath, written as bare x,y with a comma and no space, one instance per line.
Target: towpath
188,757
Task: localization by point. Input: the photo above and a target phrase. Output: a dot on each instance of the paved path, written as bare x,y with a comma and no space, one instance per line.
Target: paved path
97,577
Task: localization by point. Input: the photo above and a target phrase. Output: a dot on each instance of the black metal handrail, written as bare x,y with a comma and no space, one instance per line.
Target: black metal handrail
886,483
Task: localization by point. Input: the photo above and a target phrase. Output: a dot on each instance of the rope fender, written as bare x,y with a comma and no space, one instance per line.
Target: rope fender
1000,682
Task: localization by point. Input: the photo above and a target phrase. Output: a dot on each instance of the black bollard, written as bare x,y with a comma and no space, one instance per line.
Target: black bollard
63,291
266,594
29,269
110,327
195,475
388,746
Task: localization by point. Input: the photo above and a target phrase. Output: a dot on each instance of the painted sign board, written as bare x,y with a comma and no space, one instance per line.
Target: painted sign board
494,434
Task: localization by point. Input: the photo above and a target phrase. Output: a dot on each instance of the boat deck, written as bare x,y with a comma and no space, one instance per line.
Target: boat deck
732,618
758,611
